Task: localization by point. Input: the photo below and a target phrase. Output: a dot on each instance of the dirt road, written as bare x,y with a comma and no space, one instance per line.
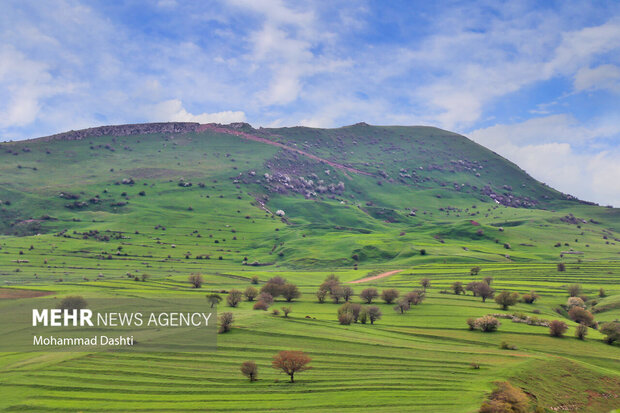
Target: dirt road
375,277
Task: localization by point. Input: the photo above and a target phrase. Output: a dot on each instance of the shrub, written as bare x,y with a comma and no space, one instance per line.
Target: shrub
321,294
345,318
250,370
561,267
475,270
601,293
196,280
389,295
363,317
291,362
275,312
402,305
425,283
574,290
505,299
250,293
612,331
488,280
487,323
347,293
254,279
214,299
581,331
73,302
274,286
265,298
507,346
557,328
290,292
529,298
234,298
374,314
471,322
415,297
369,294
260,305
506,399
286,311
582,316
458,288
226,322
575,302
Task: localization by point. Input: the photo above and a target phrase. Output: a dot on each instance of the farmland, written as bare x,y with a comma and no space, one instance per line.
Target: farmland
135,215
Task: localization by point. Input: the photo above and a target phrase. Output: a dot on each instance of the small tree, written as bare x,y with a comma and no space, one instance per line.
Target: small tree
73,302
254,279
345,318
561,267
575,302
291,362
601,293
145,277
574,290
484,291
214,299
234,298
226,322
582,316
505,299
250,293
290,292
347,293
374,314
196,280
506,399
363,318
250,370
471,322
475,270
260,305
581,331
369,294
402,305
458,288
321,294
337,294
389,295
612,331
331,281
488,280
529,298
425,283
265,298
287,311
557,328
487,323
415,297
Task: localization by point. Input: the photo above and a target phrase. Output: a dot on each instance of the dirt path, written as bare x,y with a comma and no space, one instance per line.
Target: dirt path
251,137
376,277
13,293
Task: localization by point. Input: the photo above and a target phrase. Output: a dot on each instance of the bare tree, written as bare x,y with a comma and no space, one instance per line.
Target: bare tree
402,305
226,322
574,290
234,297
374,314
321,294
250,370
291,362
557,328
425,283
290,292
347,293
369,294
389,295
287,311
196,280
250,293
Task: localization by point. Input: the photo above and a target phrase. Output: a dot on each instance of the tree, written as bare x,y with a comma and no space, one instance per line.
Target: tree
145,277
488,280
331,281
484,291
287,311
347,293
226,322
196,280
471,322
612,331
389,295
374,314
487,323
582,316
369,294
234,297
291,362
250,370
402,305
561,267
73,302
574,290
471,287
254,279
425,283
506,399
250,293
415,297
581,331
260,305
290,292
575,302
601,293
457,287
336,294
529,298
505,299
557,328
265,298
321,294
345,318
364,315
475,270
214,299
274,286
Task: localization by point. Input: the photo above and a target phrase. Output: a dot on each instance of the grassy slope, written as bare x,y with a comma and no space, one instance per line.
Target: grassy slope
415,361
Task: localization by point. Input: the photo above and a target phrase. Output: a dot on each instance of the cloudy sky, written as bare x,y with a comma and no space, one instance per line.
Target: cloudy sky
538,82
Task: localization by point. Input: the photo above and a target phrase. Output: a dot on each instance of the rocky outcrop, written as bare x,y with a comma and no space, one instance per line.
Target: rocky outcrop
124,130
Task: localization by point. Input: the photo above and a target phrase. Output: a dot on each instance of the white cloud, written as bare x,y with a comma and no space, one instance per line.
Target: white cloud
173,111
605,77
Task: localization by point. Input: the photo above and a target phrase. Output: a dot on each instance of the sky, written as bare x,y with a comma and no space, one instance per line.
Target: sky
537,82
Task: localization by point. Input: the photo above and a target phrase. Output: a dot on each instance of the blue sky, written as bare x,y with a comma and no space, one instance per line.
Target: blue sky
538,82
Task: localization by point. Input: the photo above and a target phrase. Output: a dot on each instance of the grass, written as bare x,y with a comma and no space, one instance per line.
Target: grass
418,361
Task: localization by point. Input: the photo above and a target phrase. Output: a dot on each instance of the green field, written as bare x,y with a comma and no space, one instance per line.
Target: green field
71,226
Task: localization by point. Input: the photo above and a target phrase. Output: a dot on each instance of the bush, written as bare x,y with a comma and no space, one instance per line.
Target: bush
374,314
474,270
250,293
234,298
275,312
265,298
415,297
290,292
274,286
286,311
458,288
73,302
575,302
507,346
402,305
581,331
226,322
363,318
557,328
529,298
254,279
260,305
505,299
582,316
345,318
612,331
321,294
506,399
196,280
574,290
369,294
487,323
561,267
425,283
389,295
250,370
471,322
601,293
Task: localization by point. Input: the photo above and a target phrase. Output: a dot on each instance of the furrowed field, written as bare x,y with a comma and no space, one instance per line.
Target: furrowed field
138,220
